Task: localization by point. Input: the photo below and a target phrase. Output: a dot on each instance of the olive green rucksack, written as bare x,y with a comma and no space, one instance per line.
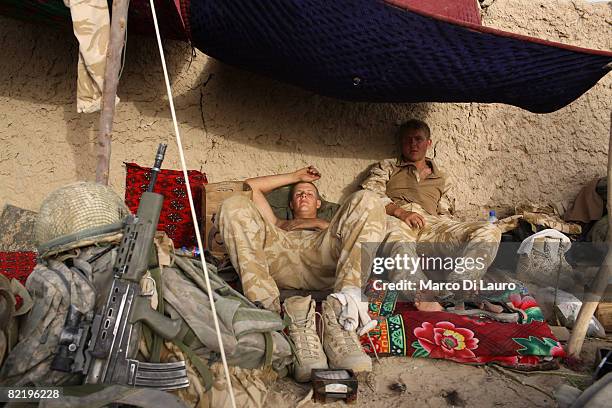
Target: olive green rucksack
252,337
54,285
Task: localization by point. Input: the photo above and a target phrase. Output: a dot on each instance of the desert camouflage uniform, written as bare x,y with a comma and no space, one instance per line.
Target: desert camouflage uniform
91,25
535,215
268,257
441,236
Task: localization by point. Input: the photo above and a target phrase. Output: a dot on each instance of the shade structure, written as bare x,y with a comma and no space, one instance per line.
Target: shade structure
366,50
371,50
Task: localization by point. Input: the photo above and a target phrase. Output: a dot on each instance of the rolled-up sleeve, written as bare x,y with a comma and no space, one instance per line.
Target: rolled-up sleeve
377,179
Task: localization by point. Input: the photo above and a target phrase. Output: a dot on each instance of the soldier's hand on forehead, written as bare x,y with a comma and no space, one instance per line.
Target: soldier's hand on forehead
308,174
313,171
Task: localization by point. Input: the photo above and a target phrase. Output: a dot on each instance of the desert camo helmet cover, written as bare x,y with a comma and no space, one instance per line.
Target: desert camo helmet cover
78,215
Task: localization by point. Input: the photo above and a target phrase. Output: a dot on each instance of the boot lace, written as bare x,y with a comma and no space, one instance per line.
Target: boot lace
343,341
305,338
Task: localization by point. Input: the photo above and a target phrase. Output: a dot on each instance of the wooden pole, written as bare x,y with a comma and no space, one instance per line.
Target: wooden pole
109,93
594,294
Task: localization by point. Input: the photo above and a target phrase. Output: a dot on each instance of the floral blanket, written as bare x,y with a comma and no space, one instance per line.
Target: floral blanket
404,331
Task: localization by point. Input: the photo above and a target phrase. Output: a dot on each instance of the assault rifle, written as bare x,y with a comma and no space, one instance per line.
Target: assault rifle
109,356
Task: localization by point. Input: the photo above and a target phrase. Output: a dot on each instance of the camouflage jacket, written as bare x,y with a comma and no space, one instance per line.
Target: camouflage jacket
380,174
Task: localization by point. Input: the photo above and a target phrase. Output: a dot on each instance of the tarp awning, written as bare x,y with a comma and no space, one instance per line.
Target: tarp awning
370,50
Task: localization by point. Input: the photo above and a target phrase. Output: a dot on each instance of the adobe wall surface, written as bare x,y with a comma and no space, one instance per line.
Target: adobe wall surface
236,124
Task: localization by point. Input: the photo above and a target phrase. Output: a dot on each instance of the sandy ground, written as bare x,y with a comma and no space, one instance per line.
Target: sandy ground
440,383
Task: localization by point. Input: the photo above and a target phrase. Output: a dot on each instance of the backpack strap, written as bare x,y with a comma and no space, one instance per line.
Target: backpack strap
198,363
52,267
269,349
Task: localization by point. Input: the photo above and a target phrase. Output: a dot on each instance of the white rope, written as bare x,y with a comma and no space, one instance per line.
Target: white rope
193,214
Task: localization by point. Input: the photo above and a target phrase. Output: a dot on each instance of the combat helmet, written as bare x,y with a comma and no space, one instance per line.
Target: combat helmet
78,215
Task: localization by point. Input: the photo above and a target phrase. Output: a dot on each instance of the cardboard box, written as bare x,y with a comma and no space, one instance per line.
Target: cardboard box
604,315
213,196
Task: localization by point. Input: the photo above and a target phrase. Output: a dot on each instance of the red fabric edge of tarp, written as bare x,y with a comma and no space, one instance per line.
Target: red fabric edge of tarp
184,9
401,4
179,9
169,15
462,10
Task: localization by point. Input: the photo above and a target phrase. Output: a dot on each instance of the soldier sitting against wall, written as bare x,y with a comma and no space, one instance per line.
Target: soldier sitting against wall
307,253
414,192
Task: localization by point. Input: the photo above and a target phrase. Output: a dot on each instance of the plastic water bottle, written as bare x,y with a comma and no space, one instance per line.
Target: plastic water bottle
193,252
492,217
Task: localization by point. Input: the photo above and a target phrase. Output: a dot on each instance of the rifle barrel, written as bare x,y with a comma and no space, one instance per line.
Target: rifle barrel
159,158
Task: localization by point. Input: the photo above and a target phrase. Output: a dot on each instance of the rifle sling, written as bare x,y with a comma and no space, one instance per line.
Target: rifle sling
147,334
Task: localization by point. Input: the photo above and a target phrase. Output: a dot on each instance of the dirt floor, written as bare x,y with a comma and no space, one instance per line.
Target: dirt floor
440,383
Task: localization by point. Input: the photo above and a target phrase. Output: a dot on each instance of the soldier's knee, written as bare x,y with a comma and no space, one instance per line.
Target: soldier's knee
363,198
236,208
234,203
491,231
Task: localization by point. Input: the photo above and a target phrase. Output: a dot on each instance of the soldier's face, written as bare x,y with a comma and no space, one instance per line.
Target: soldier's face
415,144
305,201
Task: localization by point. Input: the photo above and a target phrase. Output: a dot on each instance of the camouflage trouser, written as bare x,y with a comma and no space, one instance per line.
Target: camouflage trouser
443,237
91,25
267,257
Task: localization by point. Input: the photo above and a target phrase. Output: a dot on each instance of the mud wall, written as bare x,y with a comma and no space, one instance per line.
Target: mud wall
236,124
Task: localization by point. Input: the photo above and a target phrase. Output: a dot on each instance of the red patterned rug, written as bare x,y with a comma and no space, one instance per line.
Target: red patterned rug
17,265
175,218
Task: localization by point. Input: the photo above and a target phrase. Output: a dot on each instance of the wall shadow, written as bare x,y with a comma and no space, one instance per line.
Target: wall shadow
39,67
227,102
250,109
265,113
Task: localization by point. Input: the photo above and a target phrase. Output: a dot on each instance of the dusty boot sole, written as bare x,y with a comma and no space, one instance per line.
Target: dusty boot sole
357,363
303,374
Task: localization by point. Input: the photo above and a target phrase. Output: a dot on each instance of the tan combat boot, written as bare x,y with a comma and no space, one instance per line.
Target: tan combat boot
302,330
341,346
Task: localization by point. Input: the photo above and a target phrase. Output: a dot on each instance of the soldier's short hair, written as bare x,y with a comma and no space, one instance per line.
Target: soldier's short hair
413,124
